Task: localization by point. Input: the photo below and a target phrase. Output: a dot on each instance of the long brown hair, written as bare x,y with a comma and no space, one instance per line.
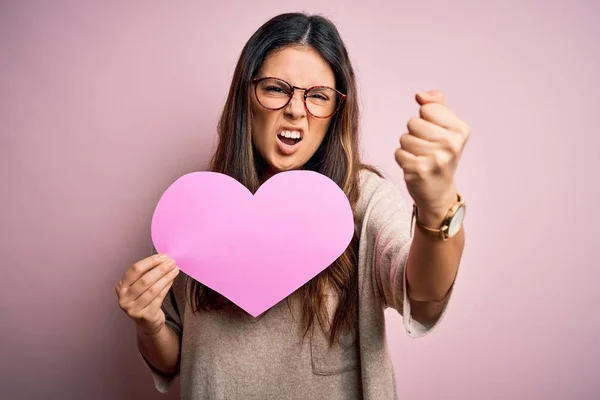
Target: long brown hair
336,158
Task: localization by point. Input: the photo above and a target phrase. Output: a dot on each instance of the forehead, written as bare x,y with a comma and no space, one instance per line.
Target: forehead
300,66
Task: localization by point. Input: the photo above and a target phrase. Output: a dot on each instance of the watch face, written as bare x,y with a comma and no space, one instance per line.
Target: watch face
456,221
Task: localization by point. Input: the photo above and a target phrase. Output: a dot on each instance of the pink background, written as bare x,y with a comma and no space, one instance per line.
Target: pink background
104,104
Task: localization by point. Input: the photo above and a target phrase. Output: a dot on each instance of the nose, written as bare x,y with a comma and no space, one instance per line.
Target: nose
295,108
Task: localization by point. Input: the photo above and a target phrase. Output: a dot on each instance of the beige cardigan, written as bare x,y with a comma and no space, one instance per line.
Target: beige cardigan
229,355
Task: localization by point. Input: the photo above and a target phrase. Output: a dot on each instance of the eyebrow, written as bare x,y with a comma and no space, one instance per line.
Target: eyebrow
300,87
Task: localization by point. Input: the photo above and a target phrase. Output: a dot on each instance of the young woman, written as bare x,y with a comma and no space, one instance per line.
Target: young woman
293,105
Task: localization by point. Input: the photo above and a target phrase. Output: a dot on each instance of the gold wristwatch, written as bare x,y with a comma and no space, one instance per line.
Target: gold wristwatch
450,226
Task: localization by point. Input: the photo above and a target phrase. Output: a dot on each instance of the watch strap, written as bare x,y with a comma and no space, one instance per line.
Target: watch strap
441,233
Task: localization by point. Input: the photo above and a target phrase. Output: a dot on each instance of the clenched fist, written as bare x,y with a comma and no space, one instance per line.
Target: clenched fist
429,153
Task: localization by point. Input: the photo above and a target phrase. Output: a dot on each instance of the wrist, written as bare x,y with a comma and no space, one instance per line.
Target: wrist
151,332
431,218
434,215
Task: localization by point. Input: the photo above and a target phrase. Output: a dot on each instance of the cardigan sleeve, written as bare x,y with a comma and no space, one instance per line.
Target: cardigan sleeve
386,223
173,311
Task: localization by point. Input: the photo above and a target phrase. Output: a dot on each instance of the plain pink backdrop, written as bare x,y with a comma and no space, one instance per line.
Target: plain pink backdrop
104,104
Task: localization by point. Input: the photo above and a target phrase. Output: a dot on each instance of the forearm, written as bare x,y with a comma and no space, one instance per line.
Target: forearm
161,349
431,268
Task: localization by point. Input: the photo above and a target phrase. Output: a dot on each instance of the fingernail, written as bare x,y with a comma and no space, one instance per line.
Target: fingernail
163,257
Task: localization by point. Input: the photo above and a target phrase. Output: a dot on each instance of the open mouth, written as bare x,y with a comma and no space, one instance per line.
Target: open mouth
289,138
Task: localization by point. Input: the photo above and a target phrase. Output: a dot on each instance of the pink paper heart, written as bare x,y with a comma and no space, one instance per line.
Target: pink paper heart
253,249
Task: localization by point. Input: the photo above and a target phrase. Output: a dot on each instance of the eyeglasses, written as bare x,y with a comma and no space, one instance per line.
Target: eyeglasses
319,101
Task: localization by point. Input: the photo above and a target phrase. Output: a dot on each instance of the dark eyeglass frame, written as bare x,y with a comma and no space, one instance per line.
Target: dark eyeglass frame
256,81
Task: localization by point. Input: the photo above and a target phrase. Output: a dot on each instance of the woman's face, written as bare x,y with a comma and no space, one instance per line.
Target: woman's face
304,68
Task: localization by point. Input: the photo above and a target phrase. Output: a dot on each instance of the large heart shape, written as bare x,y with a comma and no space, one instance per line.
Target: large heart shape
256,249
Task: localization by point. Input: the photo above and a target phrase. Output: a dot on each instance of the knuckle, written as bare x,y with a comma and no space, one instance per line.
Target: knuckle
135,315
145,282
420,170
398,154
428,108
451,145
152,291
166,267
411,176
412,123
121,291
446,141
399,160
123,305
403,139
438,161
136,268
455,149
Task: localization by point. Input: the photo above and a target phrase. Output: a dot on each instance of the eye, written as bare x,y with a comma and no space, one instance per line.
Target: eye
318,96
274,89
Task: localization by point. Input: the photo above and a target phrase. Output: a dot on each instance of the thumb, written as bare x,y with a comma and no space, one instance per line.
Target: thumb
432,96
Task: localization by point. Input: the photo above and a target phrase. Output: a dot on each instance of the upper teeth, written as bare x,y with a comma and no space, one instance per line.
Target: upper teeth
290,134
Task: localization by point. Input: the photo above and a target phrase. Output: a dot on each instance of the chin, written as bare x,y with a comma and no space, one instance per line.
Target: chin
282,164
282,168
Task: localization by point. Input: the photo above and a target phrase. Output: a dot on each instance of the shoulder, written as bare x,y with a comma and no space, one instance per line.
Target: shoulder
374,185
378,195
370,179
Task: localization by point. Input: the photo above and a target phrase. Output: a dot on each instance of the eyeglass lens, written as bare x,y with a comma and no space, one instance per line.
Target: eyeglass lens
275,94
